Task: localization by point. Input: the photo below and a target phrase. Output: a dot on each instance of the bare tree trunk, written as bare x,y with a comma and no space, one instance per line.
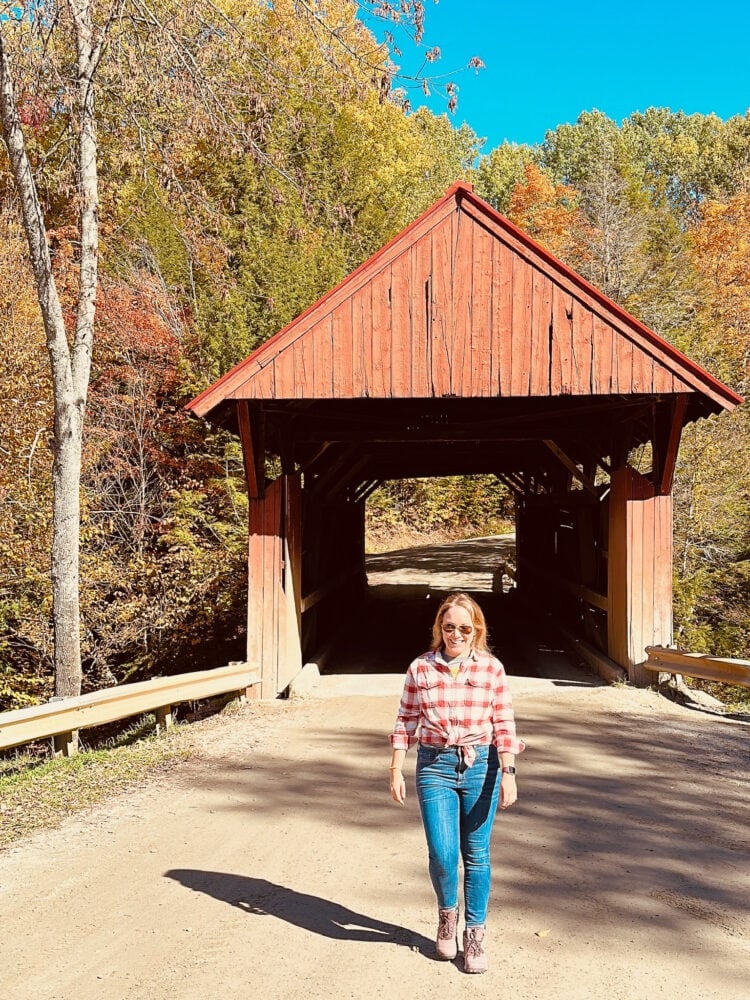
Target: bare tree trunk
70,368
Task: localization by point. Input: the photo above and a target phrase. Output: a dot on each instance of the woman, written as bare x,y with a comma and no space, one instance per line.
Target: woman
457,696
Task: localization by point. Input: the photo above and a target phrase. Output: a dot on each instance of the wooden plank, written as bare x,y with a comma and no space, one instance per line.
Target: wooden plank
601,361
562,339
667,465
263,385
421,337
303,374
344,360
278,606
541,320
463,266
502,318
617,569
255,575
643,371
480,347
649,555
710,668
291,663
322,341
68,715
401,328
624,356
572,467
362,341
267,624
581,350
381,334
284,385
441,322
521,334
251,440
662,571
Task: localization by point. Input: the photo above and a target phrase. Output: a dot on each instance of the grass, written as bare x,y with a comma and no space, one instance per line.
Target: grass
38,792
735,697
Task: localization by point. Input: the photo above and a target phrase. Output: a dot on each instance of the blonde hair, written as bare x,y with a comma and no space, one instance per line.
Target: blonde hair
479,642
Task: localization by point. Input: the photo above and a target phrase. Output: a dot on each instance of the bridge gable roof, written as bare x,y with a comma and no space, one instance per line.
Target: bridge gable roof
463,304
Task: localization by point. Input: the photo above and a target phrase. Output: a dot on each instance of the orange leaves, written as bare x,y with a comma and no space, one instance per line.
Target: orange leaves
549,213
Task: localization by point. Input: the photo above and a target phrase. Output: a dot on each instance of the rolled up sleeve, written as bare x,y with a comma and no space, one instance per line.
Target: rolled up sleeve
503,719
407,720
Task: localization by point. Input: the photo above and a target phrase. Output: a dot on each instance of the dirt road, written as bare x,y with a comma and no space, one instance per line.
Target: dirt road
275,866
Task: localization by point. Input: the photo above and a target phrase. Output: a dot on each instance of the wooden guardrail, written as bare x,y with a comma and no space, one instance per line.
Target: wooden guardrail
61,718
663,659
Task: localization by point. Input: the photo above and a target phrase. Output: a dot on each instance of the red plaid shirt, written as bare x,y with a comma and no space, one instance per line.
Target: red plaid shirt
473,708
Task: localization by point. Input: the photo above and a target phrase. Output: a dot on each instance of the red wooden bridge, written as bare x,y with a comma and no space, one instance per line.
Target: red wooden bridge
464,347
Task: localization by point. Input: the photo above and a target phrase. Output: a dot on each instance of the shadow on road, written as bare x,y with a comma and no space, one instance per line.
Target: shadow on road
259,897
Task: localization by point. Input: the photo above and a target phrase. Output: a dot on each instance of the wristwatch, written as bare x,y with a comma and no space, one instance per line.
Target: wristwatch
509,770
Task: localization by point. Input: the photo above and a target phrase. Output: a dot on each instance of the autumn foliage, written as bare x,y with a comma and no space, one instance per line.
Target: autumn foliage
233,199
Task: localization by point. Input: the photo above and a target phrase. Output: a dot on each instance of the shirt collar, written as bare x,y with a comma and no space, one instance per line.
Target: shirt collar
438,657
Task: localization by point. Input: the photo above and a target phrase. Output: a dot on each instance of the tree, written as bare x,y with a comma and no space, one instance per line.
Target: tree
70,363
550,213
169,69
500,171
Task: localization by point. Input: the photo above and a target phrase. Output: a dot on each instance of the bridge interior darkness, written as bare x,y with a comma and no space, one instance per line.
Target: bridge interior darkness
405,587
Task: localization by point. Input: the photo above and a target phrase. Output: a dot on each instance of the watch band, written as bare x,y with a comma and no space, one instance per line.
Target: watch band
509,770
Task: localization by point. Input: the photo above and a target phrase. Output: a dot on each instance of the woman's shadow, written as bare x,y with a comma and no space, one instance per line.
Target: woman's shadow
321,916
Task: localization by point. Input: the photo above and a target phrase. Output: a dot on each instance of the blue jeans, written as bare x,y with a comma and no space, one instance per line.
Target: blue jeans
458,808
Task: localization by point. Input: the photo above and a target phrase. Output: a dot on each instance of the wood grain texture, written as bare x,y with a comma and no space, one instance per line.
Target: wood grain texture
441,320
420,312
480,334
541,334
381,335
502,319
521,334
463,265
401,292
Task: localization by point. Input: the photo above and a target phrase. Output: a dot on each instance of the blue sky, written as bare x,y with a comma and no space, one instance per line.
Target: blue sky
546,62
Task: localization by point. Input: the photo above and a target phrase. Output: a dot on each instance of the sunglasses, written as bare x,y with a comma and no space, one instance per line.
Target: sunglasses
463,629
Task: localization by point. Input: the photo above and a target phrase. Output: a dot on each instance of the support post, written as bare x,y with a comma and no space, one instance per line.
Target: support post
163,718
274,585
65,744
639,572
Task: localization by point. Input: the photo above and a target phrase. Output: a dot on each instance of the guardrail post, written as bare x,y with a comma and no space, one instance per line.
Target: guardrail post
65,744
163,718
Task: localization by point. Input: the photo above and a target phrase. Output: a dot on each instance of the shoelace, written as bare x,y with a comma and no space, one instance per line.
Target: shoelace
446,927
473,945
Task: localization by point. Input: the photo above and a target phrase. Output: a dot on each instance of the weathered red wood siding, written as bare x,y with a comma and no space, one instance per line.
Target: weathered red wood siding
274,584
461,313
639,571
462,303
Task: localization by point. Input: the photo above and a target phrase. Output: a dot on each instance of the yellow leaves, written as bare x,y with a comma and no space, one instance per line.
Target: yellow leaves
720,247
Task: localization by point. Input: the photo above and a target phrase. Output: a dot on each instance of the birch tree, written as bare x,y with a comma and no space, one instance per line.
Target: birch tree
70,358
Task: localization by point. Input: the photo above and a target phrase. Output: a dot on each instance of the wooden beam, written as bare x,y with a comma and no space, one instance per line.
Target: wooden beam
710,668
571,466
665,453
577,589
321,483
310,600
251,423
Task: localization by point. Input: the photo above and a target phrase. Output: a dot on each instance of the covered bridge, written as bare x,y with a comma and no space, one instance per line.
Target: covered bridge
464,347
